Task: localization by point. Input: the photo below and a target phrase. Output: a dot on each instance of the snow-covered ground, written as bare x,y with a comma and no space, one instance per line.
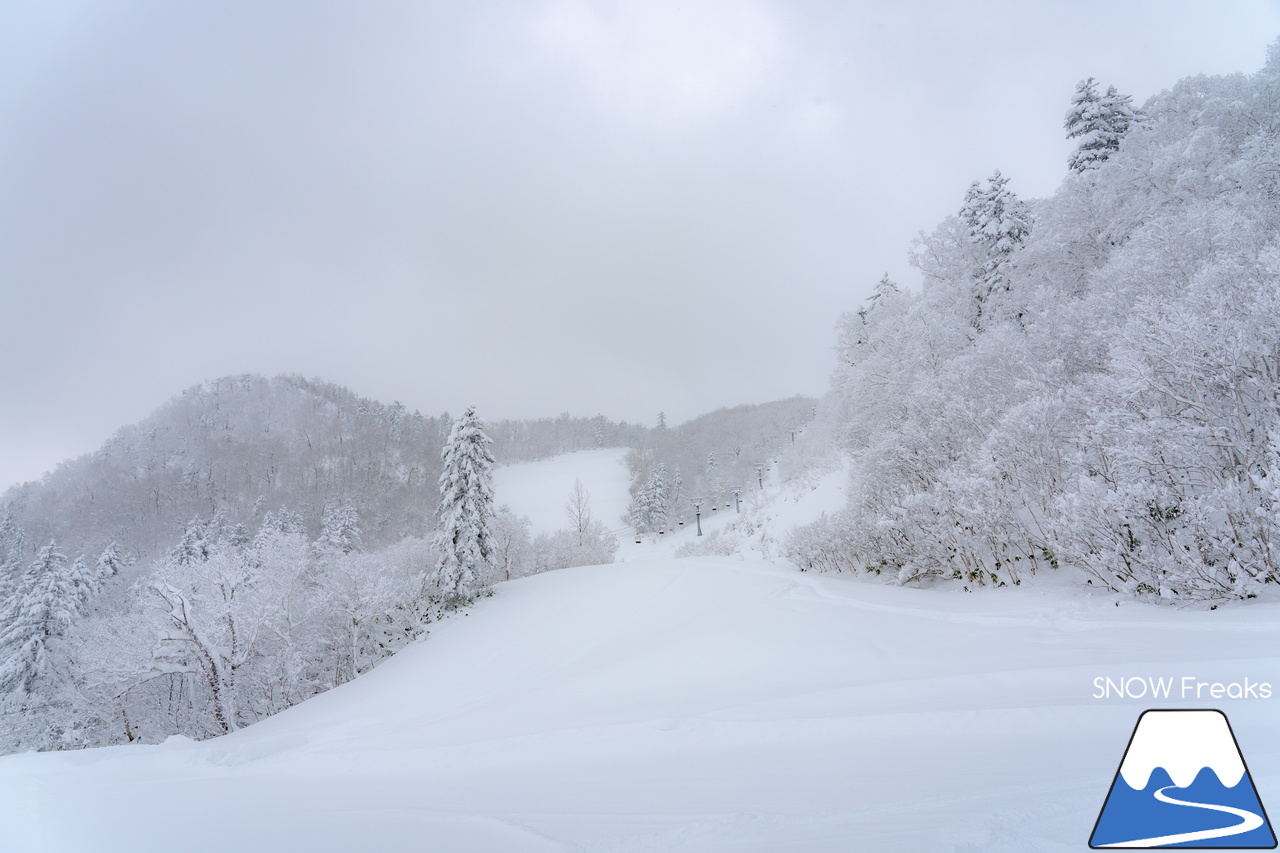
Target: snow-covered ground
699,704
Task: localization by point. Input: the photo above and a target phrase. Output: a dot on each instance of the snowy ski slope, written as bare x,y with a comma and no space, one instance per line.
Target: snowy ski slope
699,704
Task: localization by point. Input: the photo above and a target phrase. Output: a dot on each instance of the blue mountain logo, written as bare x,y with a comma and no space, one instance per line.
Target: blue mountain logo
1183,783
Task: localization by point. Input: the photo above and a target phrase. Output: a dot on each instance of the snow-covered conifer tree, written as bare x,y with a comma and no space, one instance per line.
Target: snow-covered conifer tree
283,521
649,508
999,223
193,547
109,563
340,528
238,536
885,289
466,509
12,544
1099,122
639,513
44,606
998,220
658,498
84,581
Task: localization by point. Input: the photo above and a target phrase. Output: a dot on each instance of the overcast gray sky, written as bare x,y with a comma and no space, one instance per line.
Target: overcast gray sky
536,207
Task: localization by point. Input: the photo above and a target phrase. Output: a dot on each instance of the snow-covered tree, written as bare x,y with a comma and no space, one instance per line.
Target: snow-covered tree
1127,424
650,507
465,537
659,499
283,521
567,548
232,626
512,554
999,224
1099,122
584,542
193,547
43,607
12,548
676,494
368,599
340,528
578,510
109,564
884,290
84,581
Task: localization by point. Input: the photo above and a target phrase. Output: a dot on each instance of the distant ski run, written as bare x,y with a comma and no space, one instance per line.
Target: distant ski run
1249,821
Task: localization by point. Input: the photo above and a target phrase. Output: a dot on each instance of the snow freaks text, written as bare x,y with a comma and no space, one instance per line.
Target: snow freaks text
1185,687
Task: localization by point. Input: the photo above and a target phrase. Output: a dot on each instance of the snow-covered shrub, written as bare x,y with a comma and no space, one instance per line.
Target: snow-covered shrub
567,548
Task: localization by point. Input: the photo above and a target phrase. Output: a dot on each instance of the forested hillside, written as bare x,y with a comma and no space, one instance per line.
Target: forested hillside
258,541
238,447
1090,379
707,459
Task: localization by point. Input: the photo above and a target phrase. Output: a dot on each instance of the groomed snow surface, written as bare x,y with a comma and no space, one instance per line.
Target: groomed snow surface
699,704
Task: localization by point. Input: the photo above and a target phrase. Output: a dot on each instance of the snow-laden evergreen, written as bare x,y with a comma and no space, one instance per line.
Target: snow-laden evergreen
12,551
1099,122
999,224
464,536
341,527
41,608
109,563
1123,415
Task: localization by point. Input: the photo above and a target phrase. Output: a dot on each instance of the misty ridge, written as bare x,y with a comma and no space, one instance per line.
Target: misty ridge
1086,381
236,448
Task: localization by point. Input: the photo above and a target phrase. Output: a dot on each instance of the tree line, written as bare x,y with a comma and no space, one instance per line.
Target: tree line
1089,380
